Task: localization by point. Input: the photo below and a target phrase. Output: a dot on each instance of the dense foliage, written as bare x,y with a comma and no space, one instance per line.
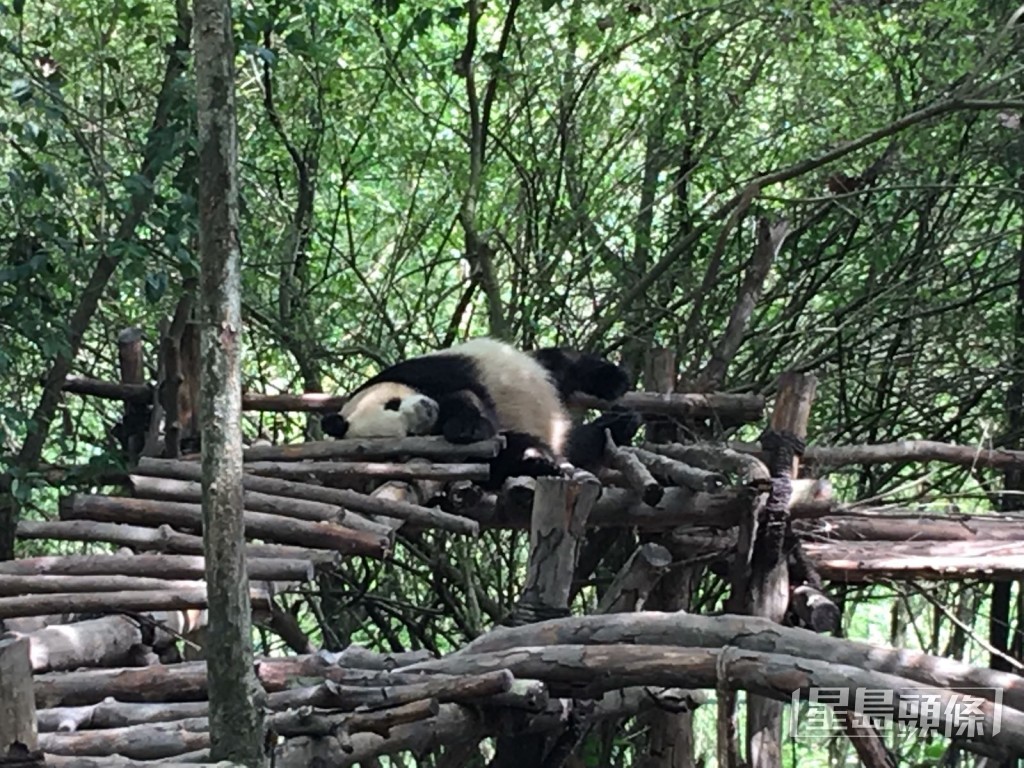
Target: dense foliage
414,172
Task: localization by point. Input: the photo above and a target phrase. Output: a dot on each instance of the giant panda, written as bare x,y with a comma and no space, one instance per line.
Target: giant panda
484,387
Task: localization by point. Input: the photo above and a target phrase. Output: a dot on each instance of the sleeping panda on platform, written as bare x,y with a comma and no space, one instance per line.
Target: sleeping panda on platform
483,387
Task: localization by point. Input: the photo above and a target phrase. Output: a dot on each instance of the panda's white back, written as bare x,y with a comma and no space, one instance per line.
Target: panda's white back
525,397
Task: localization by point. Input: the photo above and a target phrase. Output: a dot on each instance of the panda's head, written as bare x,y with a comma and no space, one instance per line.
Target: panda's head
387,409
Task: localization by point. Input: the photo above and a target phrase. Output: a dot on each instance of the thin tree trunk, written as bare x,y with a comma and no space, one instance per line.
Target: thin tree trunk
236,725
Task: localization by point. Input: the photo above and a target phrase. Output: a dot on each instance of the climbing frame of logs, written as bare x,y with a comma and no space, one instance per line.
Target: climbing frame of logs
112,642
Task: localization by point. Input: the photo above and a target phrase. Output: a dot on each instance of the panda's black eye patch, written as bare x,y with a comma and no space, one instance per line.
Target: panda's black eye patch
393,404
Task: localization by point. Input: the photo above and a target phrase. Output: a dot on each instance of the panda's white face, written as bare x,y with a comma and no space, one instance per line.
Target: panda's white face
389,410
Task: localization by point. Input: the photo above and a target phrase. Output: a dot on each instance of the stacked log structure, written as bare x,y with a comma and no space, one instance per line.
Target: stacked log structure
106,634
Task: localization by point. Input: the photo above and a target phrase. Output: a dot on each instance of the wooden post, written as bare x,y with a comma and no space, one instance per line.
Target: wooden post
19,738
660,376
561,508
768,594
135,425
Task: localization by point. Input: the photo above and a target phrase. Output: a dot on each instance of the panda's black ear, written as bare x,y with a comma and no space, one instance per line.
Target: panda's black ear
334,424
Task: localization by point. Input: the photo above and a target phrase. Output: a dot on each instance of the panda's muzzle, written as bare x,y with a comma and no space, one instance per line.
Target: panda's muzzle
422,415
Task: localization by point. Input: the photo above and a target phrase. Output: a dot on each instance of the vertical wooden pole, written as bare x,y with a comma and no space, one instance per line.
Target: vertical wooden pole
18,733
768,594
236,720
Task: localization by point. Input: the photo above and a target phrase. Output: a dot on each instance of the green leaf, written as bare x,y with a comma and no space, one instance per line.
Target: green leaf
21,90
155,286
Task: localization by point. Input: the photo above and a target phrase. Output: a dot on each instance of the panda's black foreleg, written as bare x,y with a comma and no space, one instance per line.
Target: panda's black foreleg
586,443
523,456
465,418
580,372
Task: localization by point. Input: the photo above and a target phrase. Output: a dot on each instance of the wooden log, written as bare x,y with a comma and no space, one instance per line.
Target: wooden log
672,471
561,508
286,403
167,489
361,470
726,407
168,566
742,633
730,408
929,561
138,742
913,528
116,602
636,474
768,587
431,518
350,697
17,703
109,390
186,681
903,452
12,586
162,539
635,580
195,759
284,530
301,723
436,449
588,670
134,424
106,641
111,713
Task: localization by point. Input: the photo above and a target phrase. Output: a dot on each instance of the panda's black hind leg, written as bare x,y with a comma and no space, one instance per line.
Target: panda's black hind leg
587,441
522,456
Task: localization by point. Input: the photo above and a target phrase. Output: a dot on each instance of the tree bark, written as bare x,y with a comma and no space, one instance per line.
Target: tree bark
236,723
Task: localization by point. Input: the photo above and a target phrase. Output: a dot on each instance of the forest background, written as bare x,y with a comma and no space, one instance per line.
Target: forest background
832,187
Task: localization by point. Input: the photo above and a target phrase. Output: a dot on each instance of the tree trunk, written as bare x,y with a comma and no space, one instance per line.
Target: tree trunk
236,725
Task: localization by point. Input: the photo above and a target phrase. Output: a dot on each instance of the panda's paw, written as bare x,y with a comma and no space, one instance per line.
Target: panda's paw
467,428
538,463
600,378
621,421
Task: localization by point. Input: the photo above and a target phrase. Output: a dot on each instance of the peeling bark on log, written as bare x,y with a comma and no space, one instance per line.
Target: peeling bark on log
168,566
745,633
162,539
591,670
431,518
560,511
301,509
284,530
362,470
95,642
116,602
634,582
